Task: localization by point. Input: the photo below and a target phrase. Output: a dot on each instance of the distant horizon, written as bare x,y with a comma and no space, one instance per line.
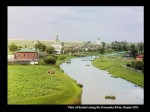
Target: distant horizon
72,23
72,41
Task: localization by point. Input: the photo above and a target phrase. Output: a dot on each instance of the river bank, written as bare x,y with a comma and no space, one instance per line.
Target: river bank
114,66
98,83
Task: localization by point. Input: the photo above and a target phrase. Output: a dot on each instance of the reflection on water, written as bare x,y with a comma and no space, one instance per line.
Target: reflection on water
98,83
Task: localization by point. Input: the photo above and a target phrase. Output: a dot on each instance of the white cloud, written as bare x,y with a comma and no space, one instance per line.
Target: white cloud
76,23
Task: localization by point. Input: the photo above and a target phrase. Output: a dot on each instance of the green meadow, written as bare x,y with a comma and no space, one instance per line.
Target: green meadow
114,66
32,84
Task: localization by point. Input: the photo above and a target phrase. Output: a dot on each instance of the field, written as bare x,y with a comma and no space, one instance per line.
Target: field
31,84
113,66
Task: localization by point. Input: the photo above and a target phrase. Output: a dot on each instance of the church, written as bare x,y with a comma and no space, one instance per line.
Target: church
57,46
98,42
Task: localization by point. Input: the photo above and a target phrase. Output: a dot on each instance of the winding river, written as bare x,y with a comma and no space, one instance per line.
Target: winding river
98,83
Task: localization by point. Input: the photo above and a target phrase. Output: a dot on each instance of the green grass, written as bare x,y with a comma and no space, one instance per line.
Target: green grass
67,57
113,66
31,84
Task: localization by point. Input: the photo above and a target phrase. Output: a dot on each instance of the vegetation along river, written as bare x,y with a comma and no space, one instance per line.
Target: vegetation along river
98,83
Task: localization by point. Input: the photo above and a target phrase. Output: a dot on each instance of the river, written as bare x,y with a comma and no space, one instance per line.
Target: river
98,83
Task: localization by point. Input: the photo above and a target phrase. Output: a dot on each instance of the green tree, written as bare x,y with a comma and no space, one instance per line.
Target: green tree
119,46
62,44
40,46
50,60
13,47
124,45
103,44
140,47
89,42
50,50
133,50
100,50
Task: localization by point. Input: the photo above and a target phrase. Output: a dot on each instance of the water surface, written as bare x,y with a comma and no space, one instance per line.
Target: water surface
98,83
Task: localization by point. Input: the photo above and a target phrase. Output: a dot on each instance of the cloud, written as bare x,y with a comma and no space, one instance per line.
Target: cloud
76,23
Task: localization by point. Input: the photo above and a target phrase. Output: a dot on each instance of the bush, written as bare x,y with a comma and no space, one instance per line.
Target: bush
41,62
43,54
61,57
128,65
137,65
50,60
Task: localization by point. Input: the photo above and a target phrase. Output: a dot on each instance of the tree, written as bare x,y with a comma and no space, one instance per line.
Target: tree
89,42
140,47
62,44
119,46
13,47
40,46
103,44
124,45
100,50
50,50
133,50
50,60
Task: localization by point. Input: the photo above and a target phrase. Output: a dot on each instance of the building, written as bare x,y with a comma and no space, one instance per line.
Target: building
25,56
57,46
98,42
140,57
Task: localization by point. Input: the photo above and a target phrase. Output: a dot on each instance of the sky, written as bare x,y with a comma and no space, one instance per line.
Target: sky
76,23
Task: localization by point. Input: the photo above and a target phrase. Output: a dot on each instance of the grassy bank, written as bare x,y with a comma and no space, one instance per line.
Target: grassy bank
63,57
113,66
31,84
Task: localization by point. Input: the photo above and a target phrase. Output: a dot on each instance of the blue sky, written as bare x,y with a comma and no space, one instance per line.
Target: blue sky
77,23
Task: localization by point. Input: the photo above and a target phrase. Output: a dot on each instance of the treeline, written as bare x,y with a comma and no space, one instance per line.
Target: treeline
41,47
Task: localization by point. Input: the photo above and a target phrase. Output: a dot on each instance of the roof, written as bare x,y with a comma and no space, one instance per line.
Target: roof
27,50
140,56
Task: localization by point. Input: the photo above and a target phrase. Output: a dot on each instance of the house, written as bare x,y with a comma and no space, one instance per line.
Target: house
57,46
25,56
140,57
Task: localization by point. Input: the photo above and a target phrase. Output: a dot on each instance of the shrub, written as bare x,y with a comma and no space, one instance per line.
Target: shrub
80,85
50,60
110,97
128,65
137,65
41,62
55,56
61,57
43,54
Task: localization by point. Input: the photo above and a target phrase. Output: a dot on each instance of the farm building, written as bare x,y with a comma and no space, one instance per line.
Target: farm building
25,56
140,57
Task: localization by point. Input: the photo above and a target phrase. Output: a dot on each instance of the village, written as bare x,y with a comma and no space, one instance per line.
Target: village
29,62
26,55
75,55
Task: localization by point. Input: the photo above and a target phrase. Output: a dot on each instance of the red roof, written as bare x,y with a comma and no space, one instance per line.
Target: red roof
140,56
